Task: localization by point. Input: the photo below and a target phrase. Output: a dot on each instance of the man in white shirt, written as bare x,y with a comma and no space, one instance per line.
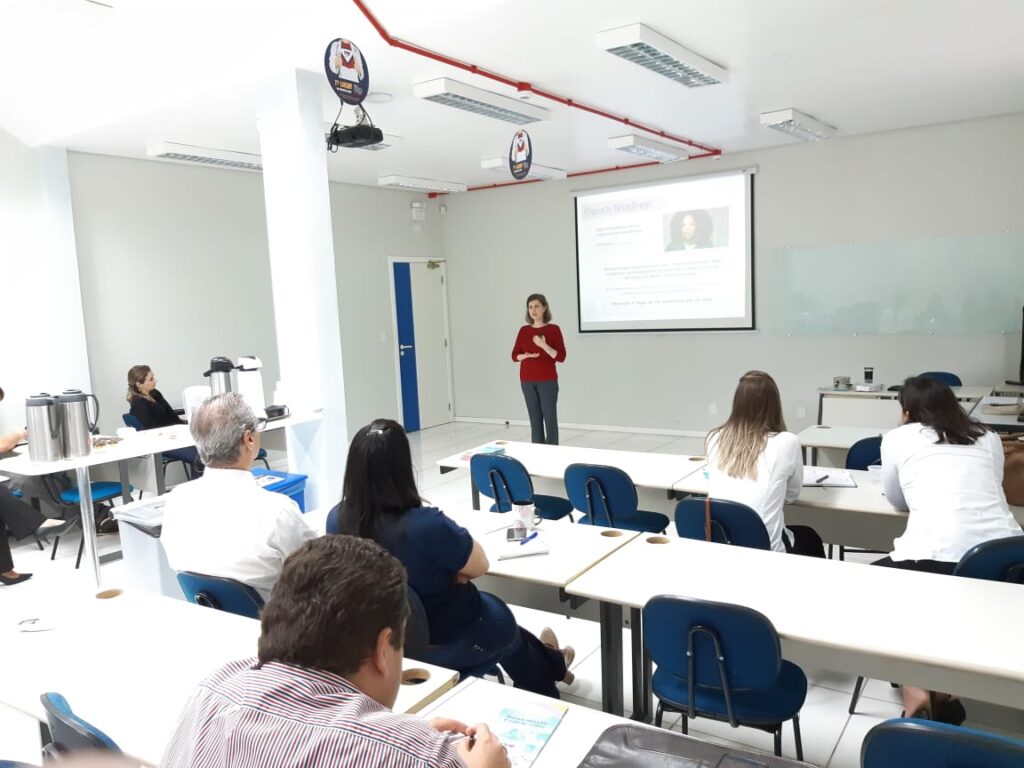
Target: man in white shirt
223,524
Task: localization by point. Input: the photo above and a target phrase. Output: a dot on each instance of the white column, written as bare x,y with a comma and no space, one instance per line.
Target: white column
302,272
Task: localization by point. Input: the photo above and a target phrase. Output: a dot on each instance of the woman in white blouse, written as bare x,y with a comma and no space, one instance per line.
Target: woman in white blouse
753,460
947,471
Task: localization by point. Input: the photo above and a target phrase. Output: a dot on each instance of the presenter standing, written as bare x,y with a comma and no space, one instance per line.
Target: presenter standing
539,345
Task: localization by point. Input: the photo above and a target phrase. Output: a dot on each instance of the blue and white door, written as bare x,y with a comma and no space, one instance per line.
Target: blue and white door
422,339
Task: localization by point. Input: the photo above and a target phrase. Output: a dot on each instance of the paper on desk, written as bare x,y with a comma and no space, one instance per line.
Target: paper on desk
833,478
513,549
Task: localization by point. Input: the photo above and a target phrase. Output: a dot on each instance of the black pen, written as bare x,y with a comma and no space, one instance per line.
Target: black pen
821,480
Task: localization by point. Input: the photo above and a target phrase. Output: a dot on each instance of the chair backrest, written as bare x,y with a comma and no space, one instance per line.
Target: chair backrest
600,492
417,627
864,453
731,523
501,478
995,560
903,741
220,593
747,641
131,421
947,378
69,732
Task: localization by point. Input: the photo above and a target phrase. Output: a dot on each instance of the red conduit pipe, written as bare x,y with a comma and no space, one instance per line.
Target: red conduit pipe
394,42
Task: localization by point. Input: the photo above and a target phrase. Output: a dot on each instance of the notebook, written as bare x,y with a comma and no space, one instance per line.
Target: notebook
514,549
828,477
495,449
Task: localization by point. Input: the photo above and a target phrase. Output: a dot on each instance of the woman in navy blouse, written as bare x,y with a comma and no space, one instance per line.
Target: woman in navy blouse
380,502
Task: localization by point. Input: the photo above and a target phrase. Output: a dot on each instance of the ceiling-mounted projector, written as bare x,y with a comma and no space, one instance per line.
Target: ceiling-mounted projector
354,136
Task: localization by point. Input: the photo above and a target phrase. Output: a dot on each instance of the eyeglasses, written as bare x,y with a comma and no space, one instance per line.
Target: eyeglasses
261,424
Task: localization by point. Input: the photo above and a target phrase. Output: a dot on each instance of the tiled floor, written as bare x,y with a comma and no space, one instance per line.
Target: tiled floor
831,736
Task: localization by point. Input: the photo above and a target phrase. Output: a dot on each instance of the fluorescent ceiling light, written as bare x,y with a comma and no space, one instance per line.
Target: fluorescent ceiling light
795,123
537,171
642,45
193,155
478,101
648,148
422,185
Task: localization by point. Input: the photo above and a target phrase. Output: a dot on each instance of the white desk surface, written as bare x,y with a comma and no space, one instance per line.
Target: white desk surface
962,393
475,700
129,664
647,470
574,548
997,419
821,436
143,443
943,632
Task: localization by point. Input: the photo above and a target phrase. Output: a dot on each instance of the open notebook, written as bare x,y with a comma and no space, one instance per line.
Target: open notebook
513,549
828,477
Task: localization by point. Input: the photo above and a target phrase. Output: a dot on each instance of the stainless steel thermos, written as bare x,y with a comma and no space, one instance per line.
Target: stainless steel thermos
76,426
59,427
44,433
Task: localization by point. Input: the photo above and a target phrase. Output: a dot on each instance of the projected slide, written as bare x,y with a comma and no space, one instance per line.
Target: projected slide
670,256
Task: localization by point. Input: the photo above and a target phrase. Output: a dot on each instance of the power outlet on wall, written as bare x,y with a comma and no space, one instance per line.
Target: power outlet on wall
801,412
713,409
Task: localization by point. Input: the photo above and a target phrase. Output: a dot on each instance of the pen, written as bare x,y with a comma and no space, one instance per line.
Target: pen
531,537
821,480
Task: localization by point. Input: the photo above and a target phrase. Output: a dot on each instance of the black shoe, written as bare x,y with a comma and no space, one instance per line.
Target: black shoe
951,712
107,525
8,581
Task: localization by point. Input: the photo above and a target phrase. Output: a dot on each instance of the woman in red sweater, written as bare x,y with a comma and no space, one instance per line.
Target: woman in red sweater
538,347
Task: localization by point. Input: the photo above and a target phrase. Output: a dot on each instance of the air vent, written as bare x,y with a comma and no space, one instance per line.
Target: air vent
451,93
643,46
192,155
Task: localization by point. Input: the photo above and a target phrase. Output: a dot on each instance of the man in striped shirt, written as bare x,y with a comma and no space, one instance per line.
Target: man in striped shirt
329,667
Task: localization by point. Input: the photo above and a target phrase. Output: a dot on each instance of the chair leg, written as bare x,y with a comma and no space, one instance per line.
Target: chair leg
684,724
56,541
829,551
842,552
81,548
856,694
797,739
778,741
658,715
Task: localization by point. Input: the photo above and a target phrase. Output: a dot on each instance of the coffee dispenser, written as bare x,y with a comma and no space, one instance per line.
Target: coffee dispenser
76,426
44,428
220,375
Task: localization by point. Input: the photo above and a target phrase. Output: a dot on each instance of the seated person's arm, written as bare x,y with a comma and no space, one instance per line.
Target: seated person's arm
477,565
795,481
7,442
891,480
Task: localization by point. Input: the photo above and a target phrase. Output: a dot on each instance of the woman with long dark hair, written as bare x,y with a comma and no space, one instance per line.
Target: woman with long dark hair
753,460
151,409
380,501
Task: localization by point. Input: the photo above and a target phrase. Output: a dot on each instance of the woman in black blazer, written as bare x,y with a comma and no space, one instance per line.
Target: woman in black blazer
153,411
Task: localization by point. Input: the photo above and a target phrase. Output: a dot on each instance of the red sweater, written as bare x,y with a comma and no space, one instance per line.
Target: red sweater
539,368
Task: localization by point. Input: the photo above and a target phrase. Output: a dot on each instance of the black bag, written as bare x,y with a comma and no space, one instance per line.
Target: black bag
639,747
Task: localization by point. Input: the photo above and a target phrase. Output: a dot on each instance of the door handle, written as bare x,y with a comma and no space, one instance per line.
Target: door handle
405,346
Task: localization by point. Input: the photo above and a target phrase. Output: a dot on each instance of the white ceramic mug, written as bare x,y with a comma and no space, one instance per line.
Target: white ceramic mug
524,514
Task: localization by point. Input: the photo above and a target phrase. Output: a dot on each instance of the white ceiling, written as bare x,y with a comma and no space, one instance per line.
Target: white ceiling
192,71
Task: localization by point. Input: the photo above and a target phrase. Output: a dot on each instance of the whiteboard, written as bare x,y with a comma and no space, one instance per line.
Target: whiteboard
951,285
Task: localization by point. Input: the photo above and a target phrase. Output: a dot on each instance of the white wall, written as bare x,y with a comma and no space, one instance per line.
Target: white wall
372,226
957,179
44,345
175,269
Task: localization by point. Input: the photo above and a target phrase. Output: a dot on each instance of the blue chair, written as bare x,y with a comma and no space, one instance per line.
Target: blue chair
168,458
506,480
926,744
947,378
864,453
995,560
70,733
68,499
220,593
723,662
464,655
606,496
731,523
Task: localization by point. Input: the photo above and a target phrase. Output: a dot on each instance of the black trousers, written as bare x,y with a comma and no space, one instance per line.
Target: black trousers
927,566
806,541
17,519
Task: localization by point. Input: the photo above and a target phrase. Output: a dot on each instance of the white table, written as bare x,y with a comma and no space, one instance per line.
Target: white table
130,663
145,443
657,471
943,633
836,439
856,517
998,422
876,409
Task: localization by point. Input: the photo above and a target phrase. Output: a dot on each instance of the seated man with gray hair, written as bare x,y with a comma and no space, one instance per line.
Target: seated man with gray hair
223,524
